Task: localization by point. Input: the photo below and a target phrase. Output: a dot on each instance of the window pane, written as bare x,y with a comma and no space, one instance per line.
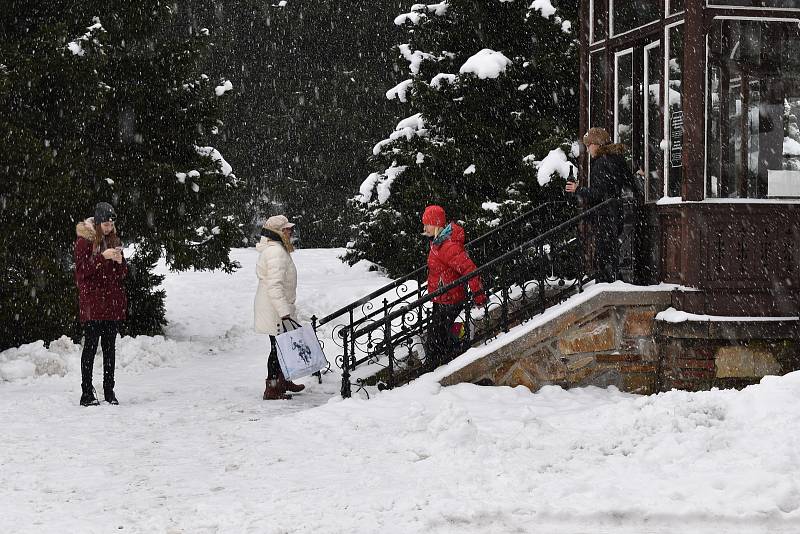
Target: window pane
675,111
676,6
597,90
754,110
715,148
599,18
623,132
654,131
630,14
756,3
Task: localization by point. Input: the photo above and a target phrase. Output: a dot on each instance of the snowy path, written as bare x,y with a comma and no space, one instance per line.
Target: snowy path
190,410
193,449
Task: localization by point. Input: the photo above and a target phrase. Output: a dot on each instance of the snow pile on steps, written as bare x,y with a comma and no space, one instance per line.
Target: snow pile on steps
590,290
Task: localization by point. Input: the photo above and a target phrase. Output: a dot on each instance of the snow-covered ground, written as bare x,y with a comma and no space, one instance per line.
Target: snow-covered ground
192,448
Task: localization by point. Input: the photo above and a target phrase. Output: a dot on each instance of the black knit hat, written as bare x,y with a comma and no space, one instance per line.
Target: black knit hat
104,212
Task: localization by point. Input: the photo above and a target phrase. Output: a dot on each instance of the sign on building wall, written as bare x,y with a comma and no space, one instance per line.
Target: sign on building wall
676,139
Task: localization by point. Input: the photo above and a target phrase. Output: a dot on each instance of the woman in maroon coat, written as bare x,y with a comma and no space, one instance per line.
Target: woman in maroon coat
100,270
447,262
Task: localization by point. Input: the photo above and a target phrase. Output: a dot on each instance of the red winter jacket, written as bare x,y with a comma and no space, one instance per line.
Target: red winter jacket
101,293
447,262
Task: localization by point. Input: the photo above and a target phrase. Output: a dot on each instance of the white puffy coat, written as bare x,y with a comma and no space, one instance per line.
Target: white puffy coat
277,286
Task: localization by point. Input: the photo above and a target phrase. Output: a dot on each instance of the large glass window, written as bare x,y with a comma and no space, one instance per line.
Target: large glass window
597,89
790,4
630,14
623,97
653,130
753,106
673,134
599,16
675,6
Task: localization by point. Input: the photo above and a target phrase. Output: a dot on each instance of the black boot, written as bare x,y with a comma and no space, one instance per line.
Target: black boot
88,398
108,393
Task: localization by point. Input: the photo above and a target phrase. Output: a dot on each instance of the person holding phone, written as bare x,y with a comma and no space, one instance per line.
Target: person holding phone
100,271
608,174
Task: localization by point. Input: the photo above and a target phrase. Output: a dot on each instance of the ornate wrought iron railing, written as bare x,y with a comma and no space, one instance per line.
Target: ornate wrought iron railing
522,280
412,286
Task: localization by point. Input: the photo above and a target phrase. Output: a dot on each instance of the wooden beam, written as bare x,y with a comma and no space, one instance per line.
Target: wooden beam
584,96
693,99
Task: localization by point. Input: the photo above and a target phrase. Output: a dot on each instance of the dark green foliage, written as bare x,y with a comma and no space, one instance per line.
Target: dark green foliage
309,81
145,301
493,124
45,101
114,122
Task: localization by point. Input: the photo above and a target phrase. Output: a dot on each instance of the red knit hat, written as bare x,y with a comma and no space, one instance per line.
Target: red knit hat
434,215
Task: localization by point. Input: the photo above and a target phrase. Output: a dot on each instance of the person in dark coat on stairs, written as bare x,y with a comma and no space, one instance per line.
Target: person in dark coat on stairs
100,271
447,262
609,172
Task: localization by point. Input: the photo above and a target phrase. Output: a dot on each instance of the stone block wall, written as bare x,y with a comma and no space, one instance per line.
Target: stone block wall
607,341
614,339
701,355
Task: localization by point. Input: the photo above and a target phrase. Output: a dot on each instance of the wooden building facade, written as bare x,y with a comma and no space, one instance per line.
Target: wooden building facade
706,94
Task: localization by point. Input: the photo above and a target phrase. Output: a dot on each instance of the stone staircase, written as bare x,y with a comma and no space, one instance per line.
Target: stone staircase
607,339
610,337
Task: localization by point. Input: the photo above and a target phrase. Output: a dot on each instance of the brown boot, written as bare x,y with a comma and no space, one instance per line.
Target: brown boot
274,392
288,385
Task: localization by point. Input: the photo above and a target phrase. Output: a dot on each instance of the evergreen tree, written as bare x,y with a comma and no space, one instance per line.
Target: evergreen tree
120,112
493,87
47,95
308,102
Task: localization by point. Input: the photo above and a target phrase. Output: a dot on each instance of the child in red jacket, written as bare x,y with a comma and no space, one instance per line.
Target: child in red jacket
100,270
447,262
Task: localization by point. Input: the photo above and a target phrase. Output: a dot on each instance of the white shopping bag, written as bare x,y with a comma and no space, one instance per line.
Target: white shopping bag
299,351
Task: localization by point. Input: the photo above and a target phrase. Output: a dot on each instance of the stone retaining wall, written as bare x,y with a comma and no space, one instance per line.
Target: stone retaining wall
701,355
614,339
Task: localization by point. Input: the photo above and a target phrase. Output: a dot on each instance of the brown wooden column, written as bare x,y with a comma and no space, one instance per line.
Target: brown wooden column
694,62
692,187
584,96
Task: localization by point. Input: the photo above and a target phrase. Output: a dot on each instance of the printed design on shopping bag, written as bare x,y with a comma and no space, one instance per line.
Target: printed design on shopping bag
303,350
299,351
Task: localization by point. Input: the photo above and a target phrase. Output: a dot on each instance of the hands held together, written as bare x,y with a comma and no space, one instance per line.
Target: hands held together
114,254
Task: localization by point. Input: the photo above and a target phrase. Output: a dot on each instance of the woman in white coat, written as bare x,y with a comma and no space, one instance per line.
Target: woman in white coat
275,297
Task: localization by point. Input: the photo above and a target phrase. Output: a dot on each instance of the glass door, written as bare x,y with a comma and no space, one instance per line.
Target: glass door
653,122
673,108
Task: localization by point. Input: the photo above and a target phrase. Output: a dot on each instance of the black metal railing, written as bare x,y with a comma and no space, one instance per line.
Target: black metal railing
412,286
521,280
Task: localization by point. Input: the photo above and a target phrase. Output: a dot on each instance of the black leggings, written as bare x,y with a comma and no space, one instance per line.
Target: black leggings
441,346
273,366
606,257
106,333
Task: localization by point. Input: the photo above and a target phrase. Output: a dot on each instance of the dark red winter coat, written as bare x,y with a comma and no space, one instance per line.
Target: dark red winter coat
447,262
101,290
